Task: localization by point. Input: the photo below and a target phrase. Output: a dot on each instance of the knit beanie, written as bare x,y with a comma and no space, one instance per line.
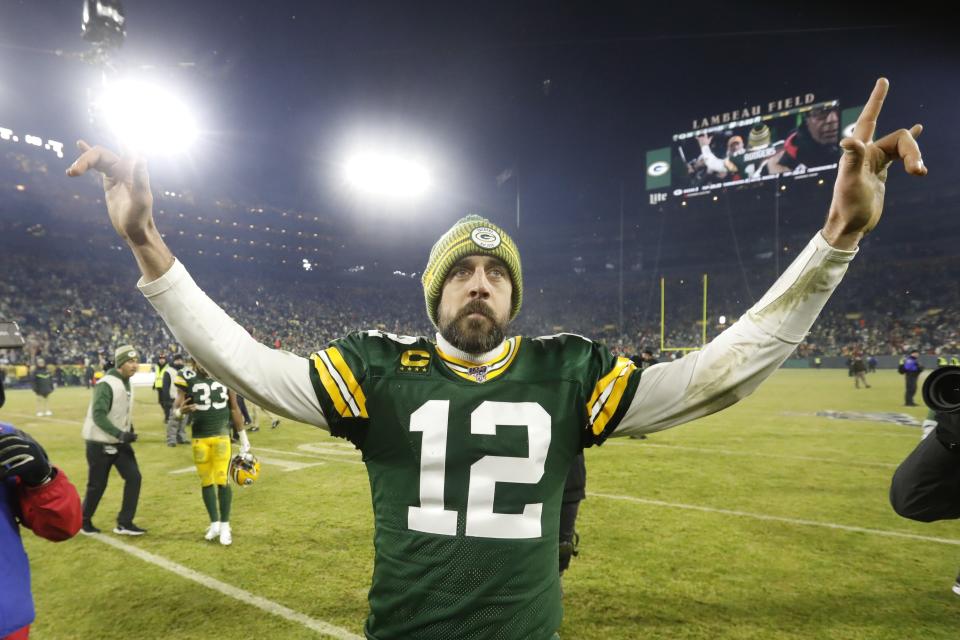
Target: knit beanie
759,136
470,236
124,353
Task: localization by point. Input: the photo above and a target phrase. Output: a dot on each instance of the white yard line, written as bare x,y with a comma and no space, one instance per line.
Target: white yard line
34,418
753,454
769,518
332,456
236,593
285,465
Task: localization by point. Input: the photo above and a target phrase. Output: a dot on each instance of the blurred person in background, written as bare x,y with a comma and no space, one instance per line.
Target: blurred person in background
176,424
255,412
859,368
910,369
42,384
164,397
109,435
214,410
88,372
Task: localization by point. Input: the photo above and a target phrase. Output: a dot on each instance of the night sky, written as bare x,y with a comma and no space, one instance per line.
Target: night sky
571,95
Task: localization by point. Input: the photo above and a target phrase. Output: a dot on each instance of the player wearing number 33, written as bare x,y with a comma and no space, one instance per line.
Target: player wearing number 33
213,408
468,436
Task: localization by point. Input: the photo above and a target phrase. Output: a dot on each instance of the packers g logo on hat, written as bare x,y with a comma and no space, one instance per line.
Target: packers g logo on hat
470,236
124,353
485,238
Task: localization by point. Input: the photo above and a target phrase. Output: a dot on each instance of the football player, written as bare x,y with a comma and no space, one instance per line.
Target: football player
468,437
214,408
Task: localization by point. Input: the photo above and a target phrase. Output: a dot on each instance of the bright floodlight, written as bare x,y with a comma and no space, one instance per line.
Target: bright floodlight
387,175
147,118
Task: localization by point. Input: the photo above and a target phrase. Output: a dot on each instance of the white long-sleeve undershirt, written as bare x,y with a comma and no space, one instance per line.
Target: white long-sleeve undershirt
729,368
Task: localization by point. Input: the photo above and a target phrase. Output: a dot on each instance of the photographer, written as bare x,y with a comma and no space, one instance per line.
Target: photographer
926,485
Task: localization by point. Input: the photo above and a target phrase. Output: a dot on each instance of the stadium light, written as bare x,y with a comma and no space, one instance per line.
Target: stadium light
148,118
386,175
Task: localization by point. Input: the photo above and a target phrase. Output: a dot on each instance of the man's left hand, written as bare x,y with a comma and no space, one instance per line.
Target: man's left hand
862,172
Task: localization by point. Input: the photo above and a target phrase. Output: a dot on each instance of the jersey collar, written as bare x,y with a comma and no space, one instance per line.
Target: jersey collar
478,367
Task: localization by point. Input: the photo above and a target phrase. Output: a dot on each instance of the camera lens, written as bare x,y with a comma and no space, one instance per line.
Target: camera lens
941,391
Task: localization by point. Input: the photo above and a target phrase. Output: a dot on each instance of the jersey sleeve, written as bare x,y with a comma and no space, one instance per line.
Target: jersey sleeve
274,379
338,373
609,386
180,381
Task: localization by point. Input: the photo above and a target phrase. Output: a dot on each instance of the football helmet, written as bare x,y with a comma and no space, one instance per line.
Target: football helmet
244,469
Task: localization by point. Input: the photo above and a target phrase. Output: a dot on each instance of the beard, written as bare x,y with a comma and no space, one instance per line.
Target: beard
474,335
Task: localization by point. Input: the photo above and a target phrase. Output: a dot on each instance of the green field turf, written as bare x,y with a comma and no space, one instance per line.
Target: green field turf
716,529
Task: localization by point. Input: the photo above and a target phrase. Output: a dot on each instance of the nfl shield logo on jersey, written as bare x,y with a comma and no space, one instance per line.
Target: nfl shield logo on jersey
479,373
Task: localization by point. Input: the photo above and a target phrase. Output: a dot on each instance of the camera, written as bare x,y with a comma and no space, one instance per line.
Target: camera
941,390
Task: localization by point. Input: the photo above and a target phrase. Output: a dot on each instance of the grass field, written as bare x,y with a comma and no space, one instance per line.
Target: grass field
765,521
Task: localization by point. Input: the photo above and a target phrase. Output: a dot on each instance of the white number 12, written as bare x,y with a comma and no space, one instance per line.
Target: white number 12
432,420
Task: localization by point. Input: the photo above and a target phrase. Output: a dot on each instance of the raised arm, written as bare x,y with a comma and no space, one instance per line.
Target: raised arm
735,363
274,379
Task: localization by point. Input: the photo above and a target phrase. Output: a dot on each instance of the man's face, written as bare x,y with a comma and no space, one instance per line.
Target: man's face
128,368
824,125
475,304
178,362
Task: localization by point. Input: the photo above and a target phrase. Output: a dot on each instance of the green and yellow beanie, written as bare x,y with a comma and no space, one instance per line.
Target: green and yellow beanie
124,353
470,236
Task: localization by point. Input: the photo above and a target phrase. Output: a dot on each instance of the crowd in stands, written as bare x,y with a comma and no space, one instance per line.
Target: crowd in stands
69,283
70,312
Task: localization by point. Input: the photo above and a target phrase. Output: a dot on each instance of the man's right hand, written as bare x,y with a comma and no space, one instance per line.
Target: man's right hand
126,187
126,437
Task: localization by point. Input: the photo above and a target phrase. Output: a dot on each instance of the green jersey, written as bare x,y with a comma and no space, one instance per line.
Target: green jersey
212,417
750,161
467,465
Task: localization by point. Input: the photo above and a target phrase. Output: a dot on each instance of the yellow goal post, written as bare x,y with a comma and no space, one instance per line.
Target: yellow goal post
663,319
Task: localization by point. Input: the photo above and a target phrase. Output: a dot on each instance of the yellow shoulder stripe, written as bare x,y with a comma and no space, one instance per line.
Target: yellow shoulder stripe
340,383
608,393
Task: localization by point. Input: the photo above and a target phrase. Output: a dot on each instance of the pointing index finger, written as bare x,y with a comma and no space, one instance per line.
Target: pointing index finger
867,122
